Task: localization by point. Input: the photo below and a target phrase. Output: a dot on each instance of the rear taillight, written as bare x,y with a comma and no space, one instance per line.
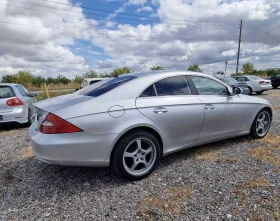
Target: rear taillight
14,102
56,125
261,82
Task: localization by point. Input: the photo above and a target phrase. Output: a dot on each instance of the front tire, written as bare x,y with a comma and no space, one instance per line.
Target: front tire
136,155
261,124
259,92
250,91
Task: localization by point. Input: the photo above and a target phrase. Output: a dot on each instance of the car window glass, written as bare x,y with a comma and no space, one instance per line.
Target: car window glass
173,86
22,91
278,75
104,86
93,82
228,80
6,92
206,86
242,79
149,92
26,91
256,78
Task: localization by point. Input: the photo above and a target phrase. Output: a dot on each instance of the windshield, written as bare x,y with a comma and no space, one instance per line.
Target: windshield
256,78
228,80
104,86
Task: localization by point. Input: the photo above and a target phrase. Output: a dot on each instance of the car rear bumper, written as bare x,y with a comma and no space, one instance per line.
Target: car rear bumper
73,149
264,87
18,115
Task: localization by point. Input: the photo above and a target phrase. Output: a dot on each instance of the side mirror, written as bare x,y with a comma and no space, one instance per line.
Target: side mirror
236,90
33,95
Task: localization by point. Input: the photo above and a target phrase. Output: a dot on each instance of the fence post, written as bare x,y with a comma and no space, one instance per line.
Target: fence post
47,91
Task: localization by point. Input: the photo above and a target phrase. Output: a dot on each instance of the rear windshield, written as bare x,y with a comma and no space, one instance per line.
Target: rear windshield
104,86
6,92
256,78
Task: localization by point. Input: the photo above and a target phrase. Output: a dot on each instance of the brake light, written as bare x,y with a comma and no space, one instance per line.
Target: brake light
56,125
261,82
14,102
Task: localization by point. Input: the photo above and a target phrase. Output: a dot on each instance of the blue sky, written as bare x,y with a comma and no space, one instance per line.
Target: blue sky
50,37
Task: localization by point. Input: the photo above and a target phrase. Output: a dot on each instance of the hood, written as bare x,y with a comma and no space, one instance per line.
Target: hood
59,102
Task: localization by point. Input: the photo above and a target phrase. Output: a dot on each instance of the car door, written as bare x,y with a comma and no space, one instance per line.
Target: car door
171,106
224,114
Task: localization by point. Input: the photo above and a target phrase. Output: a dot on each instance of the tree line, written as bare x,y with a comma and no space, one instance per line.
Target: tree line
28,79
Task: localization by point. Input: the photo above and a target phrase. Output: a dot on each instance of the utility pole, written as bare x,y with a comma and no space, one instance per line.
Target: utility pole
237,64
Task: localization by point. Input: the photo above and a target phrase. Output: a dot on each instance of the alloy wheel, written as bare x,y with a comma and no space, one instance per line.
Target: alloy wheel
262,123
139,156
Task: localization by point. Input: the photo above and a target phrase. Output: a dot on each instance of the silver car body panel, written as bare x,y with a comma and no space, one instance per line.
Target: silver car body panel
17,114
180,121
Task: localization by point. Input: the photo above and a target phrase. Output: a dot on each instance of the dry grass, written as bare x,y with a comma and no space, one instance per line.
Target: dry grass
266,154
28,153
272,139
276,108
206,153
273,95
43,96
71,85
10,132
170,204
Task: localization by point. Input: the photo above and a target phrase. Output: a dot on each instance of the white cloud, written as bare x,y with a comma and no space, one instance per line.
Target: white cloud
145,8
229,53
137,2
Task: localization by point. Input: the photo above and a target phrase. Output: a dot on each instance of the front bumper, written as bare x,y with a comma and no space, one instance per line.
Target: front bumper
72,149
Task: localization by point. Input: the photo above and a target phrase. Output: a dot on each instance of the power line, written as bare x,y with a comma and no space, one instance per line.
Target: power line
257,30
124,18
216,28
106,34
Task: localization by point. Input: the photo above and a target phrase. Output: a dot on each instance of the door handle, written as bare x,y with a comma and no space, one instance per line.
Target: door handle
160,110
209,107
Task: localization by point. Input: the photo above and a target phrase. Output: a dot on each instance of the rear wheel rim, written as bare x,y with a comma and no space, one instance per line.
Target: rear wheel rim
139,156
262,123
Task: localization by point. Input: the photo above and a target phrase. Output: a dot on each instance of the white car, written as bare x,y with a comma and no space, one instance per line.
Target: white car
88,81
255,83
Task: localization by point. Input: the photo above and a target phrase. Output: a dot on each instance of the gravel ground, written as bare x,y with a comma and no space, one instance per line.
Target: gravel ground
236,179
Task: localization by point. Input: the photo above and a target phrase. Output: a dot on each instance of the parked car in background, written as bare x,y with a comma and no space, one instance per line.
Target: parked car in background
131,121
89,81
255,83
16,104
275,80
234,84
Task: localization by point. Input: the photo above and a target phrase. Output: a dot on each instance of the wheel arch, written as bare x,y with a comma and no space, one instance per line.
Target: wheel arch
158,134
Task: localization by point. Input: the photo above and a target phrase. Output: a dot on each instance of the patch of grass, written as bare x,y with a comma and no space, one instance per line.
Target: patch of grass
28,153
43,96
272,139
71,85
9,132
266,154
273,95
206,153
170,204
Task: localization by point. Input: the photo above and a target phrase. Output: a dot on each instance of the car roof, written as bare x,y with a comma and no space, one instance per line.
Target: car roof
8,84
90,79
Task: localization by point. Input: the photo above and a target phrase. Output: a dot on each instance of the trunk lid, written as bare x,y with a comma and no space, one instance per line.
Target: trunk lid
56,103
6,93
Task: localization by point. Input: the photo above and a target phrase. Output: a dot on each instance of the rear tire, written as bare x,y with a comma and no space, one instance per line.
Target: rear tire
250,91
136,155
261,124
259,92
28,124
274,87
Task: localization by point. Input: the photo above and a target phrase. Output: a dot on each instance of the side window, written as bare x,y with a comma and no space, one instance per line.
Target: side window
149,92
26,91
22,91
93,82
206,86
278,75
173,86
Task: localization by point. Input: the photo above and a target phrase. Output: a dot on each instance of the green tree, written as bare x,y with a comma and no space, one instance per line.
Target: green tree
248,68
194,68
62,79
120,71
78,79
90,74
9,79
38,81
156,68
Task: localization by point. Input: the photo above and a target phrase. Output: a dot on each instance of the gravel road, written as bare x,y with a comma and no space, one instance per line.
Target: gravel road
236,179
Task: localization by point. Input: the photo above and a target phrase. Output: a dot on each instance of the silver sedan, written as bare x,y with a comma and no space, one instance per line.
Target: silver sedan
16,104
129,122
